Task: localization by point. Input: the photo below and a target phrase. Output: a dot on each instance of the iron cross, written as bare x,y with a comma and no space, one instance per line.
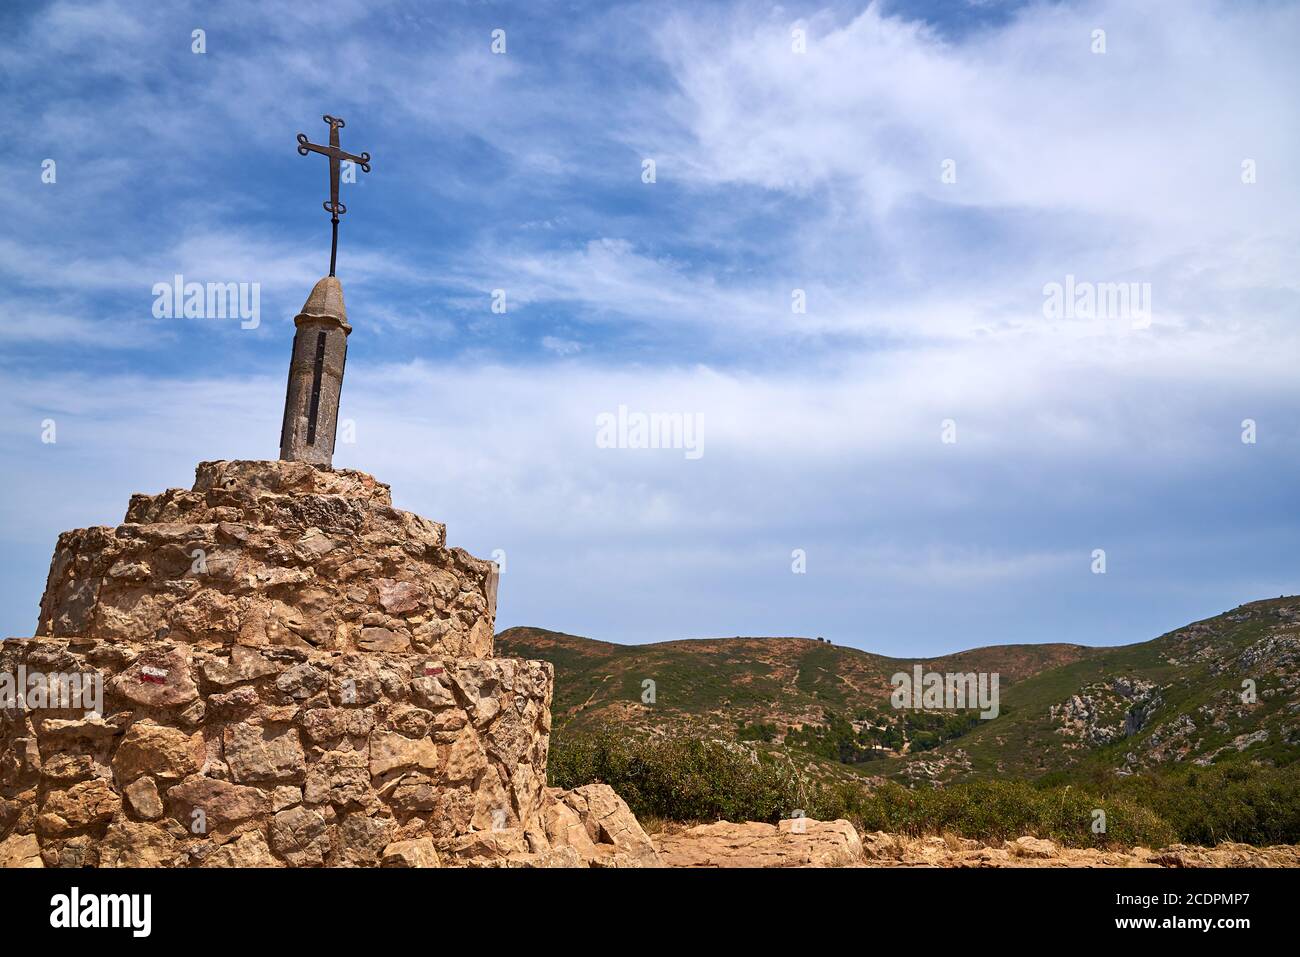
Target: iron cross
335,154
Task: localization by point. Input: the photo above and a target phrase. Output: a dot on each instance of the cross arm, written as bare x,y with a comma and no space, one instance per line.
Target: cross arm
305,146
363,160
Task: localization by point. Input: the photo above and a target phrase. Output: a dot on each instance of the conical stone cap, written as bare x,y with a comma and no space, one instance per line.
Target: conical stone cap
325,302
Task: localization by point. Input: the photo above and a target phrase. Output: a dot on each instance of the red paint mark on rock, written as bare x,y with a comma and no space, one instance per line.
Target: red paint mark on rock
156,676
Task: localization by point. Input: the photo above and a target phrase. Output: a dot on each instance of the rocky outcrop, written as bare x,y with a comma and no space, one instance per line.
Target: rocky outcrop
1106,711
586,827
599,826
798,842
936,767
836,844
891,850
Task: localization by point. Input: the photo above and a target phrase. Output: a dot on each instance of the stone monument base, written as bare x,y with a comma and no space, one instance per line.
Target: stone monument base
281,757
278,668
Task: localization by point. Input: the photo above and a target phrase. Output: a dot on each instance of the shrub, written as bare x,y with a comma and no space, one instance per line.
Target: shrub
758,731
680,779
1236,802
687,779
993,811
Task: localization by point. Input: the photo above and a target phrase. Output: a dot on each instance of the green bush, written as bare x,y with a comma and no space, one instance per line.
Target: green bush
688,780
680,779
758,731
1250,804
993,811
836,740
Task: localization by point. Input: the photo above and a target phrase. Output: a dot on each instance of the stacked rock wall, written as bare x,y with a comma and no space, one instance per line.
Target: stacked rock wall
273,553
292,673
264,756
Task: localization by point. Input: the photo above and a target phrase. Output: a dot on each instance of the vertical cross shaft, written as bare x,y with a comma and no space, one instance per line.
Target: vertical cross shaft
335,154
320,342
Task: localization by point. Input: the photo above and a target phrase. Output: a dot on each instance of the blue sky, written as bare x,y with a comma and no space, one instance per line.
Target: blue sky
776,170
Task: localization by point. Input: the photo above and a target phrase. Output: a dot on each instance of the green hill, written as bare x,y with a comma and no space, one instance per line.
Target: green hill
1065,710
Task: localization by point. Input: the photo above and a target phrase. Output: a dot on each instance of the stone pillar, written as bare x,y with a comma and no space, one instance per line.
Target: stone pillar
311,402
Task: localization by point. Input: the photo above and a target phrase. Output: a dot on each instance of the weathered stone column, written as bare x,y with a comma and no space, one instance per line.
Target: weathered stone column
311,402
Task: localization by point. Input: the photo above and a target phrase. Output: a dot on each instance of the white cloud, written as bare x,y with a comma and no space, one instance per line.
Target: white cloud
847,464
776,171
1151,133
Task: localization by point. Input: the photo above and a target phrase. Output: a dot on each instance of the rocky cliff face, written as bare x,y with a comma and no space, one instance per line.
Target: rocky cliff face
1103,712
292,673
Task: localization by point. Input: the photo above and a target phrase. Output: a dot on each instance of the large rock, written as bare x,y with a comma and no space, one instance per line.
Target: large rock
250,850
390,750
159,678
300,836
1031,847
85,804
596,823
201,802
419,852
142,794
20,850
798,842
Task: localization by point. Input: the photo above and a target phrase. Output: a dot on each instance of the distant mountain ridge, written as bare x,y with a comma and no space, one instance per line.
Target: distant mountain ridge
1064,707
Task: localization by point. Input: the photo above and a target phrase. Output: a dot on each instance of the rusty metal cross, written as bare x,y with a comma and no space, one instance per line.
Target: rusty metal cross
335,155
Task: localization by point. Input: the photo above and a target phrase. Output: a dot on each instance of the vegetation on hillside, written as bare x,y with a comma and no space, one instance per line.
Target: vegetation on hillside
728,684
693,780
1193,736
1180,699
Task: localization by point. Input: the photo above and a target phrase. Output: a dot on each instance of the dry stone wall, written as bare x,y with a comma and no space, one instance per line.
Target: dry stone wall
269,756
290,672
274,755
273,553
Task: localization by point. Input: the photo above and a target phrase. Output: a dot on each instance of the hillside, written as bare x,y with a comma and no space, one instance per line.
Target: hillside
1177,699
1064,708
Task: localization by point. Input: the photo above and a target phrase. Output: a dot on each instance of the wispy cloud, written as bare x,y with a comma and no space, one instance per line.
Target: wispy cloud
801,274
